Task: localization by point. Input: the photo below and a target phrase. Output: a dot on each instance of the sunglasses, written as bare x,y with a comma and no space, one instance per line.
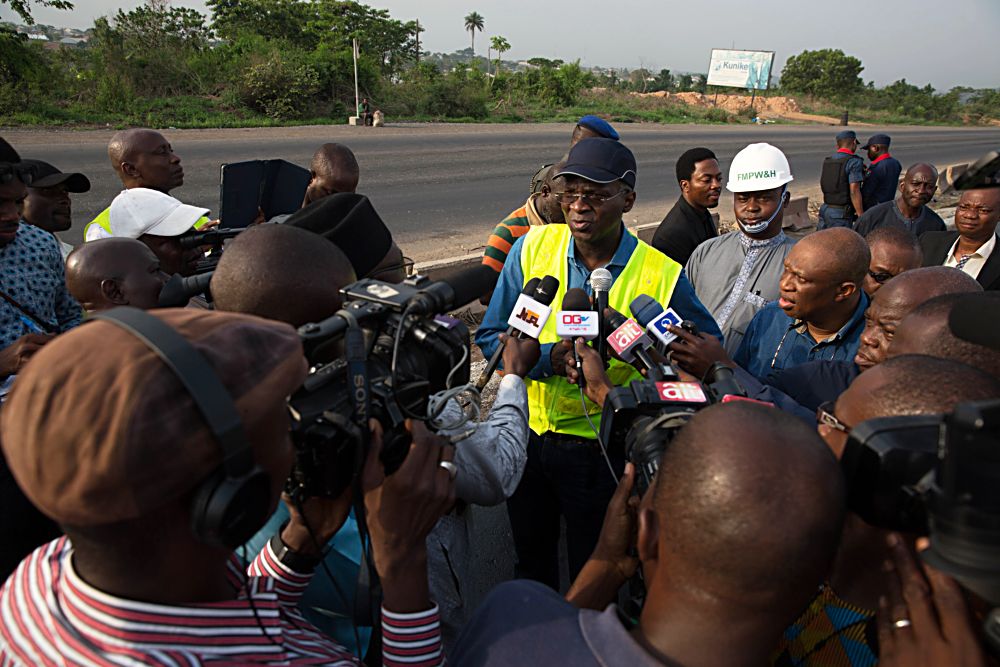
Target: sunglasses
825,417
881,278
24,173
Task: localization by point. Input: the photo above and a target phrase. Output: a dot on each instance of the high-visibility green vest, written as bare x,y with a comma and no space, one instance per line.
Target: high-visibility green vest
103,220
553,403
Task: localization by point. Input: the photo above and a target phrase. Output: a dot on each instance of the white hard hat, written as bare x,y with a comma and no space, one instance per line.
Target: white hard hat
758,167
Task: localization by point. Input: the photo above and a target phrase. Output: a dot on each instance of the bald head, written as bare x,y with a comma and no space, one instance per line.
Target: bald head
925,330
143,158
823,277
722,481
918,186
840,252
914,384
897,299
333,169
281,273
114,272
893,251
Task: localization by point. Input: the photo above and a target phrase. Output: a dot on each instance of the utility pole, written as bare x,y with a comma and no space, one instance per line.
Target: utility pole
418,30
357,97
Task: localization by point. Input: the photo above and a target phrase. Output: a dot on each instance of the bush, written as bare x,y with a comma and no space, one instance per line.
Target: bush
278,88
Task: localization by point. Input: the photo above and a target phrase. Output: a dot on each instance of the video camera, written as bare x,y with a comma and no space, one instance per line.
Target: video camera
935,475
984,173
645,415
402,359
216,238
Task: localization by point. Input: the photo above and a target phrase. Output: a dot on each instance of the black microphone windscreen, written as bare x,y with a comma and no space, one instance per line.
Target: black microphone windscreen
547,289
178,290
576,299
470,284
614,319
531,286
975,319
644,308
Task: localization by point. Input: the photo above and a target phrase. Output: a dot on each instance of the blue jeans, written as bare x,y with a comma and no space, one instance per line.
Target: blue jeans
835,216
563,477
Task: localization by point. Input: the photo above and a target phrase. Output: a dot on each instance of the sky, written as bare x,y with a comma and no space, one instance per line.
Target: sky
942,43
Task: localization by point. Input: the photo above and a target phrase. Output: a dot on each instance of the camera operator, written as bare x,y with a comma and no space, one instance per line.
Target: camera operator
844,609
723,576
114,272
121,456
285,260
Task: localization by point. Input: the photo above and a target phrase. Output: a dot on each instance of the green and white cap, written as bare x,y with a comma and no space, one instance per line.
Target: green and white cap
758,167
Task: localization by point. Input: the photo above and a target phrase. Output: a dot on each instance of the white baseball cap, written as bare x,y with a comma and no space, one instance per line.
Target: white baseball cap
758,167
141,211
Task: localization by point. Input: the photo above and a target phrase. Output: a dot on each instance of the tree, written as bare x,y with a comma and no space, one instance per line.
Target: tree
501,46
474,22
684,82
825,73
664,80
23,7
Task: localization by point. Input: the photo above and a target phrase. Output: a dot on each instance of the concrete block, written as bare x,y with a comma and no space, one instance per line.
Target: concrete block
353,120
796,215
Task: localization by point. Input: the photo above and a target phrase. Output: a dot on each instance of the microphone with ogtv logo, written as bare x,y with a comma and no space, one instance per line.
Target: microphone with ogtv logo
629,342
577,320
527,319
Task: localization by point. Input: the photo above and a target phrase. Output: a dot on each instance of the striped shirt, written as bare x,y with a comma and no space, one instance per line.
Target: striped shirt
50,616
510,229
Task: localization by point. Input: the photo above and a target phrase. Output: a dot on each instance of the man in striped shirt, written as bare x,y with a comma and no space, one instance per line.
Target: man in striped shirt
115,450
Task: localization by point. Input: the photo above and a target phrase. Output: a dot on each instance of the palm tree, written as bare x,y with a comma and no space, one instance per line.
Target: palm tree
474,22
501,46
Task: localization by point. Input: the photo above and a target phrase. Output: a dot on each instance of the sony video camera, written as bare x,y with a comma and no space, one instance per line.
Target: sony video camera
384,355
935,475
645,415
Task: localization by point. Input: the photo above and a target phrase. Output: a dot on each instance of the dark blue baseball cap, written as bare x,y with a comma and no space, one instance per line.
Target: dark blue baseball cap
878,140
601,161
598,125
847,134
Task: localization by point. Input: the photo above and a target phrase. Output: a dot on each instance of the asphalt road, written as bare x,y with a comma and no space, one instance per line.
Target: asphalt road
441,188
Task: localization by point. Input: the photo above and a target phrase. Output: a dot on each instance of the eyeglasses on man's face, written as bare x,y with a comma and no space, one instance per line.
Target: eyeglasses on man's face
881,278
825,417
587,198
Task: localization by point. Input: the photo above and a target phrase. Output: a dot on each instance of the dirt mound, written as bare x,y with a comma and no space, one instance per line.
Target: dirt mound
775,106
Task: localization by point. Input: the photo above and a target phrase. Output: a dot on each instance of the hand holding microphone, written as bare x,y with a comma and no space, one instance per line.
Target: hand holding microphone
586,368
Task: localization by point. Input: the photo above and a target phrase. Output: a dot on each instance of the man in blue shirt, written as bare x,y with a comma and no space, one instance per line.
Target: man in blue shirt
820,313
567,474
882,177
840,181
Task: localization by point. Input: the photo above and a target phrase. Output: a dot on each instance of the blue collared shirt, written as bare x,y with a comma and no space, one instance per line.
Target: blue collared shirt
774,341
683,299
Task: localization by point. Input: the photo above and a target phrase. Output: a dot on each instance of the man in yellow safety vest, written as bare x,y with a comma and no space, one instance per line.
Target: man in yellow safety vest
566,473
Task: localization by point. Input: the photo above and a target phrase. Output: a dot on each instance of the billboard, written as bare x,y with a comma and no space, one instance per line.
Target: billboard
740,69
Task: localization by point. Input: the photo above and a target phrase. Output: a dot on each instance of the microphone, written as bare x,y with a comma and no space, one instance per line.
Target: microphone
530,313
577,320
655,318
600,283
178,290
629,342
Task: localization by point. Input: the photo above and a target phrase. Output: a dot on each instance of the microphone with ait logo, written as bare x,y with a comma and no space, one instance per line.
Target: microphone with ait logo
630,342
527,319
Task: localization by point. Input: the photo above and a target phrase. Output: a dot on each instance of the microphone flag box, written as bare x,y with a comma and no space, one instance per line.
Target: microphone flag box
685,392
625,337
658,326
528,316
572,324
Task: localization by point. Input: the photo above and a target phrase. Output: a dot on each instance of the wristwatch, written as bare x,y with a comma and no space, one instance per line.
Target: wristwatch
294,561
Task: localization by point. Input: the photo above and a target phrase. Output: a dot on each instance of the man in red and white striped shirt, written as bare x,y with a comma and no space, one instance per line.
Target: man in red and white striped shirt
112,447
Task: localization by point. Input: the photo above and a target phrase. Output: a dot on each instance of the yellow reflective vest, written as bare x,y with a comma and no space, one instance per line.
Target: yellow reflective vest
553,403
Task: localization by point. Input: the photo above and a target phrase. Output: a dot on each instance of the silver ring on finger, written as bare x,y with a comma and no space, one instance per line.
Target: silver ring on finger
901,623
450,467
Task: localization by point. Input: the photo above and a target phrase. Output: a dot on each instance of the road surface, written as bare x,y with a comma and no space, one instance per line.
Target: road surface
442,187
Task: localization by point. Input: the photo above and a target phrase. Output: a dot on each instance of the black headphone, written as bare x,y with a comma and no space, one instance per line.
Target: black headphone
231,505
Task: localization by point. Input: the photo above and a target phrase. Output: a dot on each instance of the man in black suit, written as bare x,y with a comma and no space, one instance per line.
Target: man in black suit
972,248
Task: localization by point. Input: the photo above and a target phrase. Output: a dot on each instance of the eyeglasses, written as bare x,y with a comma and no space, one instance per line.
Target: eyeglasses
825,417
978,210
589,199
25,173
880,278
